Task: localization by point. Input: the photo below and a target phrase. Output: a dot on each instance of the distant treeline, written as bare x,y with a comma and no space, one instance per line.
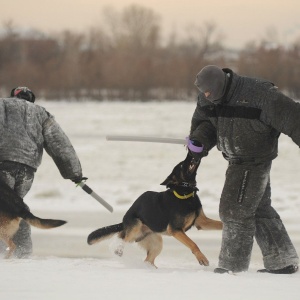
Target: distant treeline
126,58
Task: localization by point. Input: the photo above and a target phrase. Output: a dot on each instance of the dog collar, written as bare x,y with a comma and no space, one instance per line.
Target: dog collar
184,196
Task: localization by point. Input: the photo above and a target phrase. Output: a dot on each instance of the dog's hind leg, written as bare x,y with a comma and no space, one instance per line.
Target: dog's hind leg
153,244
136,231
11,246
8,228
205,223
132,231
120,248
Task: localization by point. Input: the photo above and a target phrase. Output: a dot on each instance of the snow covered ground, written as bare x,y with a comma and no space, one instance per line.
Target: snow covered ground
65,267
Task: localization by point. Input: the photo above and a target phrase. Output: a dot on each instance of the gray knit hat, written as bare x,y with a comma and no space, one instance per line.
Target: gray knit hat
212,79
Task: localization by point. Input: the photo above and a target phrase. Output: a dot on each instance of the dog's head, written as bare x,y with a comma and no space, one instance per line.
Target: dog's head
184,174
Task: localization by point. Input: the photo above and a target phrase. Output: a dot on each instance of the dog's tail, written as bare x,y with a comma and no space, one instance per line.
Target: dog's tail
42,223
104,233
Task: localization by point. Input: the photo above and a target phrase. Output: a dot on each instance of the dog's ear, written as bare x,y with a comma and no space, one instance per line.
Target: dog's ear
172,179
167,181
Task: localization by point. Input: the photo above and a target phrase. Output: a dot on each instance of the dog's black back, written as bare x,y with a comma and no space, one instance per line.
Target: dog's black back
157,210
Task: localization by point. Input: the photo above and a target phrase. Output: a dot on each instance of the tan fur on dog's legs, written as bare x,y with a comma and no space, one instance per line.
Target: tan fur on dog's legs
11,245
184,239
136,232
205,223
131,234
153,244
8,228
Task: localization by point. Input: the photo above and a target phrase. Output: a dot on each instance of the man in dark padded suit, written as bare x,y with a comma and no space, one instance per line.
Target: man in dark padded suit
26,129
244,117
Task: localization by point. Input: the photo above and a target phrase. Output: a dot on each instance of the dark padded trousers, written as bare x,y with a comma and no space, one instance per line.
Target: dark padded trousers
19,177
246,212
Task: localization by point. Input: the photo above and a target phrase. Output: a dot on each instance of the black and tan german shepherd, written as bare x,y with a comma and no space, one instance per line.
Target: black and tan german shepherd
12,210
172,212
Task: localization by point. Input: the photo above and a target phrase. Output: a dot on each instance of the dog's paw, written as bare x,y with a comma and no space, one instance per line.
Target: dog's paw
201,258
119,251
204,262
150,265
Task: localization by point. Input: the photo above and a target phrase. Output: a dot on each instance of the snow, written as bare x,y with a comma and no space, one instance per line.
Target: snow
63,266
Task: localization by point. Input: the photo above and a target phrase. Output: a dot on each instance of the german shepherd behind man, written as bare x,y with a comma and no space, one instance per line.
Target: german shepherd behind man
12,209
171,212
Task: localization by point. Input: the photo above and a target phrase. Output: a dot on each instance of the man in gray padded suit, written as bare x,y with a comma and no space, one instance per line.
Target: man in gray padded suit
244,117
26,129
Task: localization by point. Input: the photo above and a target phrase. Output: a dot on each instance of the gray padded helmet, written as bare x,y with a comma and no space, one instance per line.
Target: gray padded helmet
212,79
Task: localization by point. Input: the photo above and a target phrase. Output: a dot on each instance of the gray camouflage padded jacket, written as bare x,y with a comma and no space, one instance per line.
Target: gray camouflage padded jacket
247,123
26,129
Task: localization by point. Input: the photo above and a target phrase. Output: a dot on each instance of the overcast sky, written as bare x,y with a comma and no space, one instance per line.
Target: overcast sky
239,20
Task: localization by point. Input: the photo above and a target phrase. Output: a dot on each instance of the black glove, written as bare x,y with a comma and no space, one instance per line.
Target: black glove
78,179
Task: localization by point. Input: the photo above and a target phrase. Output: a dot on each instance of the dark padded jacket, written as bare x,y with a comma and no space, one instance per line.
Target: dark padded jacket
26,129
246,124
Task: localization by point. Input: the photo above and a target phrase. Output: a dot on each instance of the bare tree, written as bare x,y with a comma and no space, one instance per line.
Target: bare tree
134,39
292,70
201,45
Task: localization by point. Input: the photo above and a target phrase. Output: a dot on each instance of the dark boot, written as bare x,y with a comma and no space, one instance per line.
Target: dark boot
221,271
287,270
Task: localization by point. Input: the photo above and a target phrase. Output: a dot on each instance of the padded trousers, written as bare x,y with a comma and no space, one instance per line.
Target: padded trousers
246,212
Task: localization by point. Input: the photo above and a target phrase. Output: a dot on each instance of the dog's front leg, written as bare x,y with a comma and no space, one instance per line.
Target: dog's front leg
205,223
184,239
